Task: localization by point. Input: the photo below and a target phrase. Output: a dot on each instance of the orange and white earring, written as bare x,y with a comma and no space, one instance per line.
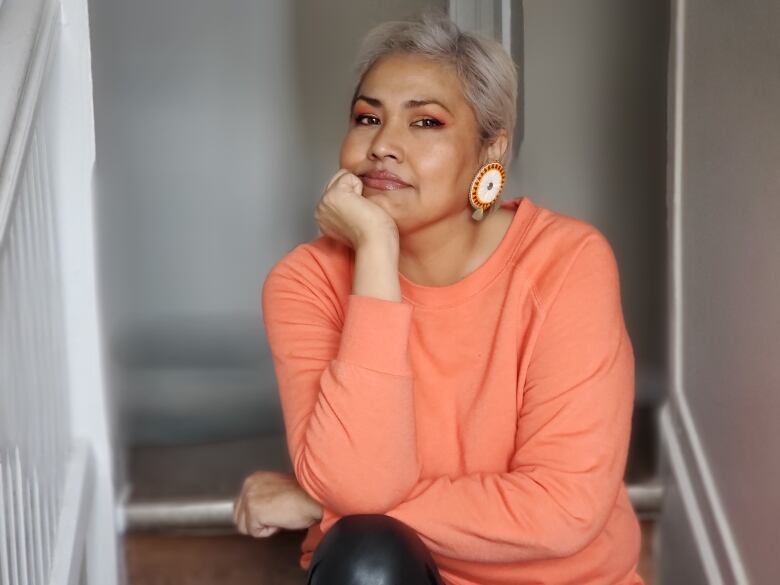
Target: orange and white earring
486,188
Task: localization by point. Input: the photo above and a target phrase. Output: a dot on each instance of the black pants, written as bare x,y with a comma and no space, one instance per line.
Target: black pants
372,549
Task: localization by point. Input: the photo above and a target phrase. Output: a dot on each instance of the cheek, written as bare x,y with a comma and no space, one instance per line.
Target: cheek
445,167
352,150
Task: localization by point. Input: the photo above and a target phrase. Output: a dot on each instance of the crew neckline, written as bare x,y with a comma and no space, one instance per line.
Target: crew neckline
484,274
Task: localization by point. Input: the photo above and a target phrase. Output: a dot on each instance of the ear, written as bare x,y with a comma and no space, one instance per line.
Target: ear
495,149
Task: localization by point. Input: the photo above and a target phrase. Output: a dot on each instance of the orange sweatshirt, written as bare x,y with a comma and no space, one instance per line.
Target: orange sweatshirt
491,415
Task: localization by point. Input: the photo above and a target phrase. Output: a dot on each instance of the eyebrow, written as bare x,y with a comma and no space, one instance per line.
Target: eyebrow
407,104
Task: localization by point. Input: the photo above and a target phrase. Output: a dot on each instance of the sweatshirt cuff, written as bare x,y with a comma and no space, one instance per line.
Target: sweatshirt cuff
376,335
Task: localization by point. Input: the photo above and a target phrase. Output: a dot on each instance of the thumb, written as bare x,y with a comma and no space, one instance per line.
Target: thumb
354,184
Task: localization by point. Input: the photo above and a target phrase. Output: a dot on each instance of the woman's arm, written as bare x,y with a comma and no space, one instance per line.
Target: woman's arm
376,268
345,381
571,443
345,215
346,392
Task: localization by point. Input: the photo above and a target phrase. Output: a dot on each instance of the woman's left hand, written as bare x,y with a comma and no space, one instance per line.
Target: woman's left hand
270,501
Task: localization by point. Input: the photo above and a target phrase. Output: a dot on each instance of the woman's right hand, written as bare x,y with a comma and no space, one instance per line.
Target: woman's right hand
345,215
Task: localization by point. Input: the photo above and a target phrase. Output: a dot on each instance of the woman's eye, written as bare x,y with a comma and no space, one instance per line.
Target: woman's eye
370,119
427,123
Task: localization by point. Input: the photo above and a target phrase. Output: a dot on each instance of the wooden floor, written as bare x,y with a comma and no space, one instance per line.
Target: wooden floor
207,560
238,560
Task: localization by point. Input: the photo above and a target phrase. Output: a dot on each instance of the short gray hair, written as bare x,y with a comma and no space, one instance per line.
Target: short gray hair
486,71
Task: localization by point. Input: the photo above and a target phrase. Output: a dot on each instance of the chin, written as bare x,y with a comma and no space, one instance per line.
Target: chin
392,202
391,198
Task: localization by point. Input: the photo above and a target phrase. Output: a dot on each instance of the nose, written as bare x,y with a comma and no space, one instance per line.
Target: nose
386,144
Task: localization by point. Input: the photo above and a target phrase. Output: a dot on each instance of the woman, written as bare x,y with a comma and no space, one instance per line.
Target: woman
455,374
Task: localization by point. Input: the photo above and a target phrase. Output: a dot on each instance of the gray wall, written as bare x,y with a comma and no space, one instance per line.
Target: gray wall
196,191
594,140
730,278
218,124
675,539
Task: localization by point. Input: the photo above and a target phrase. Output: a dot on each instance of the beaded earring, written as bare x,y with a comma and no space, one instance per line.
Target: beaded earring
486,188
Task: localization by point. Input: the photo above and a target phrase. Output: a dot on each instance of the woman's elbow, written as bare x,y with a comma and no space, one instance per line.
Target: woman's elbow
356,491
576,533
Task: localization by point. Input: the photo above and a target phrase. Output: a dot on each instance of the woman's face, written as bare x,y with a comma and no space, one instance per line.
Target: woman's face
411,119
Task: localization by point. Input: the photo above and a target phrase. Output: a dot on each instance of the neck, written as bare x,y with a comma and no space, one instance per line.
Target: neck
446,251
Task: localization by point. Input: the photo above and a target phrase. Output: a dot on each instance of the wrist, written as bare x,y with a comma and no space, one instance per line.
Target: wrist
376,270
385,238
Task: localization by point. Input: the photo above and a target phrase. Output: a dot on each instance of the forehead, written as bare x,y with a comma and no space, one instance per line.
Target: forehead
400,77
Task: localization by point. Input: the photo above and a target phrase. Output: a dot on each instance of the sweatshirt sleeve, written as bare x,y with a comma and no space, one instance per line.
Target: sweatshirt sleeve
572,436
345,389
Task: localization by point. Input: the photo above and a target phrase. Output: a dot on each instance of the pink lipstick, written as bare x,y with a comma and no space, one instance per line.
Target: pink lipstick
383,180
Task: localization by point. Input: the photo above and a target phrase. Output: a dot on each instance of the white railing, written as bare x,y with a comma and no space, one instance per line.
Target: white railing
47,472
33,403
34,414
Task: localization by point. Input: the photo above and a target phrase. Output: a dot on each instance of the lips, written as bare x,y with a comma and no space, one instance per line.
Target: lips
383,180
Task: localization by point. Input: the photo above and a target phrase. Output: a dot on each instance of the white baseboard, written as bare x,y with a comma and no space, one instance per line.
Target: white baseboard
711,532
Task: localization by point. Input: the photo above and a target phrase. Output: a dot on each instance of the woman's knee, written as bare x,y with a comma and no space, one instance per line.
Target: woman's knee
372,549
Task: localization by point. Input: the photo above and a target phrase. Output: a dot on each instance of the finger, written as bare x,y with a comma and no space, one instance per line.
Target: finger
351,180
350,183
241,523
269,531
238,507
256,529
264,531
336,177
354,183
237,523
236,504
